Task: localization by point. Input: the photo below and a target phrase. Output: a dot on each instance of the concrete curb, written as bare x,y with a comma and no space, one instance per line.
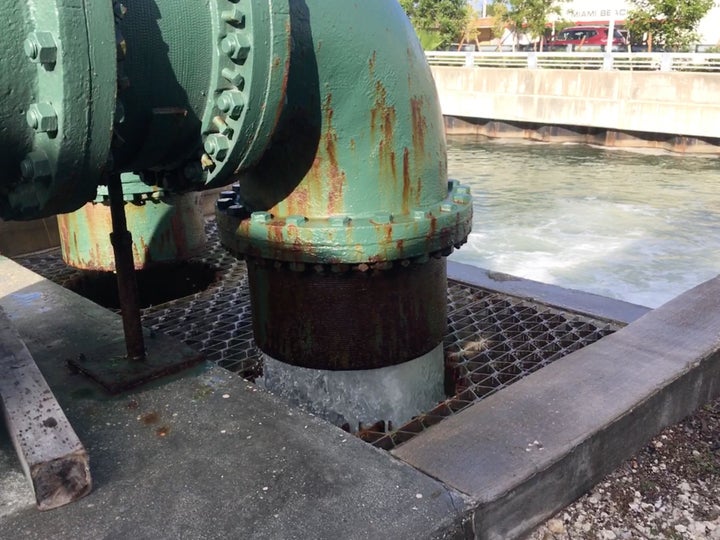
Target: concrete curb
581,302
531,449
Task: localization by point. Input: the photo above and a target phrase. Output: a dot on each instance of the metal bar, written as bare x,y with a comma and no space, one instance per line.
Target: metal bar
121,240
687,62
53,458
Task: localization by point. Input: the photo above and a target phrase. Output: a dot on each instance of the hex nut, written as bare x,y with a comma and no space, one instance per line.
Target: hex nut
231,102
223,203
217,146
339,221
462,199
236,46
260,217
237,210
42,117
382,218
40,47
448,207
35,166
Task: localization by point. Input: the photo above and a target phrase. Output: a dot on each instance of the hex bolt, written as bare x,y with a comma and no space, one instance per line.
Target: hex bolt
40,47
119,10
462,199
35,166
236,46
462,190
234,16
222,127
42,117
231,102
260,217
419,215
233,77
295,220
217,146
206,162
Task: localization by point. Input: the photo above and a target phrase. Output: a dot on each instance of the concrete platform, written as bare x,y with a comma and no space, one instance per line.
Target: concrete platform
207,455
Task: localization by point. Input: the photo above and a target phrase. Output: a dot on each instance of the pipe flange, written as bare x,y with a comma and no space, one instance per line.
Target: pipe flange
253,57
365,242
60,143
134,190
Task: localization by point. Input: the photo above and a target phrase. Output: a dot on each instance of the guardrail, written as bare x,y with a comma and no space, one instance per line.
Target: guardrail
628,61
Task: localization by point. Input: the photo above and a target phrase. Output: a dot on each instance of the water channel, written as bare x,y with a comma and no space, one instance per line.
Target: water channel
640,227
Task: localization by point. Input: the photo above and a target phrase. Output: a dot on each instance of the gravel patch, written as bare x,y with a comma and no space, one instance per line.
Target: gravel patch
670,489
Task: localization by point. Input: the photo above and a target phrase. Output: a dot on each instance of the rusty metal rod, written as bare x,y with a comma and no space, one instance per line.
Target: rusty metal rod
121,241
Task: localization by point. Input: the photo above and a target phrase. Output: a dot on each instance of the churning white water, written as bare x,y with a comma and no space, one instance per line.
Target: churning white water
635,226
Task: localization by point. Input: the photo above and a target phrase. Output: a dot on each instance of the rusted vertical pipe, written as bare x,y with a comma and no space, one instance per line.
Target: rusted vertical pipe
121,240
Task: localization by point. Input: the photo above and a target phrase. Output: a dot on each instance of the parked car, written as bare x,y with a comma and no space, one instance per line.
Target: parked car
586,38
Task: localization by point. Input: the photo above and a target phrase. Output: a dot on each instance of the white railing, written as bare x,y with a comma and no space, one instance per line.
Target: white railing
579,60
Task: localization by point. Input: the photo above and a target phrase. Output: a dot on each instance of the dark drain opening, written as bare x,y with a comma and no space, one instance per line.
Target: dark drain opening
156,285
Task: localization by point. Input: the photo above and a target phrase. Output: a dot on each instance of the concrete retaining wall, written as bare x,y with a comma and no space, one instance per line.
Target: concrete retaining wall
661,103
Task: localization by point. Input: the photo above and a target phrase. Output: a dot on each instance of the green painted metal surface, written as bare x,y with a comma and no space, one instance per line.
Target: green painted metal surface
185,93
356,171
58,99
201,86
165,227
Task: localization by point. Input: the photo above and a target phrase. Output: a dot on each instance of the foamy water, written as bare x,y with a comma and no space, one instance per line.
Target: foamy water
638,227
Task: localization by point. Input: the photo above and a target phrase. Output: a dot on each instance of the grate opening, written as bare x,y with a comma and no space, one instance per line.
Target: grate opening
156,285
492,339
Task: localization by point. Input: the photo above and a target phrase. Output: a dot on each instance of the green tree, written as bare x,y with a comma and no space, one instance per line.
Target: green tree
528,17
437,22
670,24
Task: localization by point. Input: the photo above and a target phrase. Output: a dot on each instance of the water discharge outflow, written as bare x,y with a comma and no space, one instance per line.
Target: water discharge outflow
638,227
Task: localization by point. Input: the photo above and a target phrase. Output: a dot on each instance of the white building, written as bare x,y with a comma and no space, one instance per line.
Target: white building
602,11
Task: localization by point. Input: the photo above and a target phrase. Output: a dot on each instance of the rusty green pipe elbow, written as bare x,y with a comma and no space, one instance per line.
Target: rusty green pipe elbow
356,170
345,218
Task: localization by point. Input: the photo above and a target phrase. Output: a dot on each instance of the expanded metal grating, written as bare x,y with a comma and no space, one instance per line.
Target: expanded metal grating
492,339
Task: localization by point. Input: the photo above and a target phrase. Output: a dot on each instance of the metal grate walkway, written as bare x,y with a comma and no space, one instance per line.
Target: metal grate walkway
492,339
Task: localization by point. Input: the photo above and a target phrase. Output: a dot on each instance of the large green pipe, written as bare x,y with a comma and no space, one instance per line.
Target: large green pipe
323,112
344,213
184,93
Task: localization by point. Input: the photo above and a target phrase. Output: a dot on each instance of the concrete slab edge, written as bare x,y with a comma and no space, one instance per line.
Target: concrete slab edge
532,501
581,302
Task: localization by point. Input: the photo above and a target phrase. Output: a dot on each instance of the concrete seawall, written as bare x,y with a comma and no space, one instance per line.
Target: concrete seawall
677,111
